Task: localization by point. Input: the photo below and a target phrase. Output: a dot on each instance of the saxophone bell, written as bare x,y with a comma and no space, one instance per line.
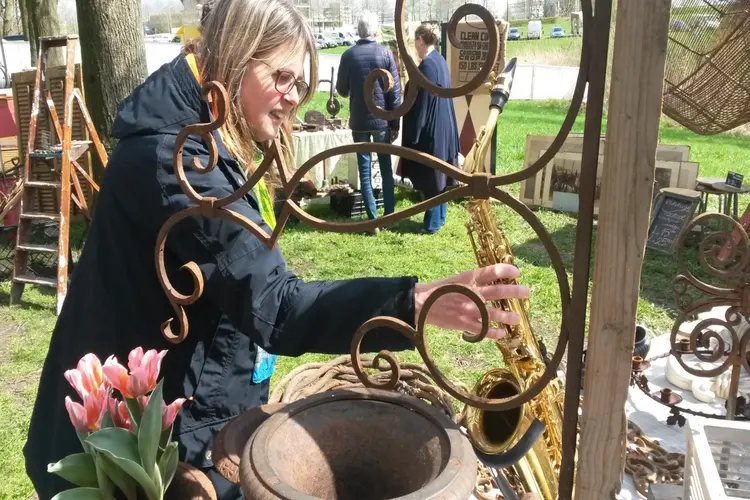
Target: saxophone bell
495,432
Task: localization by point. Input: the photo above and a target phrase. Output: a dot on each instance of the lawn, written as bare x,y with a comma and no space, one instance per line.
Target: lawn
553,51
25,330
334,50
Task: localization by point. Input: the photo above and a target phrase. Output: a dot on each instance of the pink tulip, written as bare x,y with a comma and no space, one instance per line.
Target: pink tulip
88,378
144,372
87,417
168,411
119,413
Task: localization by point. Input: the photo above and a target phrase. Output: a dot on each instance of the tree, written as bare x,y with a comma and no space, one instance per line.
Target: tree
113,56
41,20
7,6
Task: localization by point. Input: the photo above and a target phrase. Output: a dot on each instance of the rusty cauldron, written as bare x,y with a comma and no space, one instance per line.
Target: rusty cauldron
362,444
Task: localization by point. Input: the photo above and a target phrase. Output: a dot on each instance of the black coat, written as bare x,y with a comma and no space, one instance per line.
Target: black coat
115,302
356,63
430,127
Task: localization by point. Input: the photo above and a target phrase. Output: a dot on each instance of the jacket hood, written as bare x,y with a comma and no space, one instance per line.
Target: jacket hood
169,99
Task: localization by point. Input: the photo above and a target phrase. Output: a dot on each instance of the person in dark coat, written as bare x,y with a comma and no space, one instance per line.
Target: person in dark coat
430,126
252,308
356,63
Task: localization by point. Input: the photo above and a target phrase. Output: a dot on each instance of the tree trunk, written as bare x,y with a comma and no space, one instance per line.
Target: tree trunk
114,59
43,21
7,16
28,33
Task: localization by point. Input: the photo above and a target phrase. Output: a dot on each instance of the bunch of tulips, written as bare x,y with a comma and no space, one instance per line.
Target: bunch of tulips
127,446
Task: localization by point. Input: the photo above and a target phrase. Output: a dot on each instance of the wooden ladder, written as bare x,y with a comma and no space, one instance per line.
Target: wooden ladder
61,159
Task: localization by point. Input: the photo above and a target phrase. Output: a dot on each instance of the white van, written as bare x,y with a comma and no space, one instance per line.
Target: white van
535,30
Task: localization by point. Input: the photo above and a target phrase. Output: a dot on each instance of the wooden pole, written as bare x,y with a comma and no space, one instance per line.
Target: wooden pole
627,185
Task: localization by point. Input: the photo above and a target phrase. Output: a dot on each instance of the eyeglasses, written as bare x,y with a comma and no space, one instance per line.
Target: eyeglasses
285,81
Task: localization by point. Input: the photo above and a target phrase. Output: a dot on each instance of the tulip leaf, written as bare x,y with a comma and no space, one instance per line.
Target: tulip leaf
123,481
134,412
107,420
168,464
105,483
82,438
79,469
149,431
166,438
119,442
136,472
81,494
157,479
121,447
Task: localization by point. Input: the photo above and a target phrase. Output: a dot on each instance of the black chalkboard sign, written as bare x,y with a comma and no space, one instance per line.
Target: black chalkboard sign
734,179
671,213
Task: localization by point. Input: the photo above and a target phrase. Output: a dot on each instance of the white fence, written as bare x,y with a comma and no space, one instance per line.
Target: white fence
532,82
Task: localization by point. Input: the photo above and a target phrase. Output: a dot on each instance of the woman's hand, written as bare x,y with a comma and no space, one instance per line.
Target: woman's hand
458,312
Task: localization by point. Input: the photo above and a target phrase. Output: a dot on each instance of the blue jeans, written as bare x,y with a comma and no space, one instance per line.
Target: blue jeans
434,218
364,162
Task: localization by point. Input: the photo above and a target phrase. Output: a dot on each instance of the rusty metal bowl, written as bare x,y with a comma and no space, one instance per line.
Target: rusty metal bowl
227,448
359,443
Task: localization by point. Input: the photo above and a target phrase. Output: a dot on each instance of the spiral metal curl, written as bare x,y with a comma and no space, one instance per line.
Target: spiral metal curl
726,256
478,186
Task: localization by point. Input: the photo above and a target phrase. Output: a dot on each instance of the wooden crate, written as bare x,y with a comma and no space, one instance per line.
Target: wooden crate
23,93
715,445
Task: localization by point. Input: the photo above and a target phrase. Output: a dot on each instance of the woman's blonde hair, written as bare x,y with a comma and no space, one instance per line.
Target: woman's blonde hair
428,33
236,32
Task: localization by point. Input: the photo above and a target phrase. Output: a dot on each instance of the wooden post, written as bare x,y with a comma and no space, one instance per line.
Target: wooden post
627,186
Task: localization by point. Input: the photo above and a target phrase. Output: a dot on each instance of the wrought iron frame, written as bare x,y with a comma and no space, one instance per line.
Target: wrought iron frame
592,72
735,293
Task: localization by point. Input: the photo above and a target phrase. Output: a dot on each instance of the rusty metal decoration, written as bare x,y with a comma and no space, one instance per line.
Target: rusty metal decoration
592,72
725,256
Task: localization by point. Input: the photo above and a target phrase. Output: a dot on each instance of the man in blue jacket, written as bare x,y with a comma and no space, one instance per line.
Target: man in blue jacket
356,64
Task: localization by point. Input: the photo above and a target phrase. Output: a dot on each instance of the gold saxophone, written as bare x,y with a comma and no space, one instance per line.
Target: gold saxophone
495,432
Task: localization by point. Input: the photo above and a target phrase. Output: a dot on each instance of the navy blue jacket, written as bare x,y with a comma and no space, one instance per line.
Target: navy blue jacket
430,127
115,302
356,63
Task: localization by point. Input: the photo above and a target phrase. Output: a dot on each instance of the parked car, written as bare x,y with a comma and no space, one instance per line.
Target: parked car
708,21
557,32
514,34
678,25
327,42
338,36
535,30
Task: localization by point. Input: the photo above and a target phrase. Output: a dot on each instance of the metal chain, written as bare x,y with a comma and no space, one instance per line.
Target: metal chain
639,380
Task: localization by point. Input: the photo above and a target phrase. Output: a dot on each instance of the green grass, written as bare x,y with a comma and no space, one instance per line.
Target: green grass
318,255
22,355
318,102
335,50
553,51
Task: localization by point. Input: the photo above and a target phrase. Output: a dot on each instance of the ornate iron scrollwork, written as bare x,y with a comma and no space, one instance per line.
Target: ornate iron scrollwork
480,185
724,256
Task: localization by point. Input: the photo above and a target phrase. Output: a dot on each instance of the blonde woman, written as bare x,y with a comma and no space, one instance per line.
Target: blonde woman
252,304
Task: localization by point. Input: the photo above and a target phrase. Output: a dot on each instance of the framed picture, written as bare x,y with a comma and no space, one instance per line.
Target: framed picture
562,182
666,175
688,175
672,152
